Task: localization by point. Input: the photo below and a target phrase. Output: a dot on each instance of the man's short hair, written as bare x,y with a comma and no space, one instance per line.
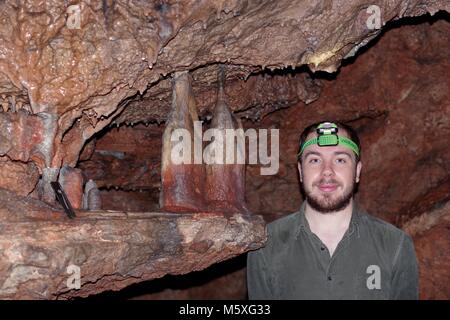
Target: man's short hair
312,128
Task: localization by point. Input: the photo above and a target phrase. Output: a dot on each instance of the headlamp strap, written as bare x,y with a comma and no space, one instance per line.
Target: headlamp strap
327,136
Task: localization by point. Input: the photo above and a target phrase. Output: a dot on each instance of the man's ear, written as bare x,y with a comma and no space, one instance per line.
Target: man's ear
358,171
299,166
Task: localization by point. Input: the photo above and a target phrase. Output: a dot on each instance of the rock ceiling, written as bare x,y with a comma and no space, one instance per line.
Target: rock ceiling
85,65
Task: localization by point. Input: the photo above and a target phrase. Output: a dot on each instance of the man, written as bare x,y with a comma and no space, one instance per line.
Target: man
331,248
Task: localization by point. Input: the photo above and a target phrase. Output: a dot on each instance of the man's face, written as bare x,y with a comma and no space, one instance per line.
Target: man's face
328,175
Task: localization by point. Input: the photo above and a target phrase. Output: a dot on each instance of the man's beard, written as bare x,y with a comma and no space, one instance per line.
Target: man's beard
325,203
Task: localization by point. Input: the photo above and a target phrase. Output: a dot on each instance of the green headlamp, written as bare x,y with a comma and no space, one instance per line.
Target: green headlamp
327,136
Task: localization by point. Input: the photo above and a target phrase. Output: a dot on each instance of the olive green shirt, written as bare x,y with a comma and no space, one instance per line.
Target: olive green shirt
374,260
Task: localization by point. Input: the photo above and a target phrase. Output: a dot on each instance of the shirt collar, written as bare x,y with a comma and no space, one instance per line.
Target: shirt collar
303,224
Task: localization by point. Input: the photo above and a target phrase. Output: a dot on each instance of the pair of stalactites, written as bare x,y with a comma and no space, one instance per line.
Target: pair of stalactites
194,186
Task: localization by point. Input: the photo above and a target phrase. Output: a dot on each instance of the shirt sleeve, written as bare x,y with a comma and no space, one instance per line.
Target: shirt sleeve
405,281
258,281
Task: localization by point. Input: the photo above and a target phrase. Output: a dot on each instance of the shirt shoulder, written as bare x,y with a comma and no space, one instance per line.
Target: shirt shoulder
380,226
283,229
279,233
385,235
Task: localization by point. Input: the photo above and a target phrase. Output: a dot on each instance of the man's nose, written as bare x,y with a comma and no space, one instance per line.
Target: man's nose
327,169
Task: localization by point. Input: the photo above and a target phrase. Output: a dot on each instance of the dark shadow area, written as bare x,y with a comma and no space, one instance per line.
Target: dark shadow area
180,282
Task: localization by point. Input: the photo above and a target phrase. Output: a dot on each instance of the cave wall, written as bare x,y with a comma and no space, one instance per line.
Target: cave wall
125,163
65,78
396,94
75,67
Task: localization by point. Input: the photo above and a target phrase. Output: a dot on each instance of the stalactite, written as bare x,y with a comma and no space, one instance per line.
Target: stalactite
46,151
225,182
71,180
182,184
46,191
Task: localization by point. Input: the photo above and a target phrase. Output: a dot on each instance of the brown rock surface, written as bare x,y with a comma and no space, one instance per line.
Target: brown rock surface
61,84
25,137
127,157
431,234
112,249
18,177
84,64
396,96
71,180
64,65
404,132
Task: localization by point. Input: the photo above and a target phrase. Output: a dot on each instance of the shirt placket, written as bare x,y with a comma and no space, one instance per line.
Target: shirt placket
342,245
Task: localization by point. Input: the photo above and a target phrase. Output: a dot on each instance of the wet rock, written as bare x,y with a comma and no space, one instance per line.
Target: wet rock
47,194
40,249
127,157
84,63
91,197
254,97
64,78
18,177
225,170
71,181
182,179
402,121
431,234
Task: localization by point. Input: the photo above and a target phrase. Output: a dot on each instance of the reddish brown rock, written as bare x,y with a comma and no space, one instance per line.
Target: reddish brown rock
71,180
87,151
25,137
395,174
60,84
396,99
431,234
84,66
112,250
253,97
401,117
182,179
42,63
225,169
18,177
127,157
45,190
127,200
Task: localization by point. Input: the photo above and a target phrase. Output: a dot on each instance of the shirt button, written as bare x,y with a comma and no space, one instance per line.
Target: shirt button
322,248
329,278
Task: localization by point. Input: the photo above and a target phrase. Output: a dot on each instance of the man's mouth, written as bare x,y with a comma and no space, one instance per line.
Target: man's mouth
327,187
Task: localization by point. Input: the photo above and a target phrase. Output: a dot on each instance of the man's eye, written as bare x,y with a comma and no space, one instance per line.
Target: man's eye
341,160
314,160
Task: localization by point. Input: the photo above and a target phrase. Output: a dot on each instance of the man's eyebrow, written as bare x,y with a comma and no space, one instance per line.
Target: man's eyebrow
308,153
342,152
